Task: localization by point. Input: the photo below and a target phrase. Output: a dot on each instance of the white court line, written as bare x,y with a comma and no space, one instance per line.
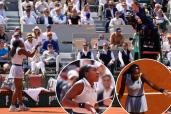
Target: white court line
151,93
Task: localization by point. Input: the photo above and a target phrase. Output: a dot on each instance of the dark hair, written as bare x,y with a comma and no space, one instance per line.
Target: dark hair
83,70
15,44
131,69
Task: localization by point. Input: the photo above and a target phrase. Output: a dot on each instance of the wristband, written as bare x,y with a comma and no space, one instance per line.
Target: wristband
82,105
161,90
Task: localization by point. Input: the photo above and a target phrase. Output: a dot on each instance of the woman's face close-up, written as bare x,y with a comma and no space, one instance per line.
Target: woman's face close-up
93,73
136,73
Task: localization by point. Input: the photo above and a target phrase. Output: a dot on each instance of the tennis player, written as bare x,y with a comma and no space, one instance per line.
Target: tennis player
82,97
134,80
18,53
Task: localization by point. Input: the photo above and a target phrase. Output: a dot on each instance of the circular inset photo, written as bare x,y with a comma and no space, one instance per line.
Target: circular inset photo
84,87
143,86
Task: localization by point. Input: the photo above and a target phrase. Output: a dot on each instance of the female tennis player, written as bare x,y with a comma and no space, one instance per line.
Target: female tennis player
134,80
18,53
82,97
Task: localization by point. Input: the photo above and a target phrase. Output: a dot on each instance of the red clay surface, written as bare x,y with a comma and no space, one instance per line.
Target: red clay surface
56,110
159,75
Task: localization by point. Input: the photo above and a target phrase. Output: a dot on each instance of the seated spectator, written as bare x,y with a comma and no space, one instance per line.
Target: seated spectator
53,11
40,6
15,36
2,20
106,57
72,78
101,8
124,55
107,92
155,10
2,10
166,44
59,18
68,11
52,42
50,56
79,4
116,20
38,35
87,20
85,10
3,51
30,8
3,35
85,53
66,5
24,4
109,14
119,5
160,20
101,40
18,29
37,64
52,4
30,43
49,29
74,19
168,53
45,19
28,19
116,38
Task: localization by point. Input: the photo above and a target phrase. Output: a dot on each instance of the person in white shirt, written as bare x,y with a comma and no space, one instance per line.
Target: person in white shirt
24,4
101,8
50,57
2,10
87,20
85,53
59,18
38,35
30,43
82,97
2,20
32,12
28,18
167,49
119,5
53,11
52,4
85,10
37,64
15,36
116,20
124,55
49,29
41,5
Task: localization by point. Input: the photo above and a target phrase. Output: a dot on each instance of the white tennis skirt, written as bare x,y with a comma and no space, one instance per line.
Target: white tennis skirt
16,71
136,104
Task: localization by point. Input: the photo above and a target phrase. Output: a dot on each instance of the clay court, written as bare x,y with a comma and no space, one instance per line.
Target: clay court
157,103
54,110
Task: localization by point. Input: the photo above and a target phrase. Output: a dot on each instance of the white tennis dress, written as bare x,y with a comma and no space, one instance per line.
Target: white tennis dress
16,70
88,95
136,100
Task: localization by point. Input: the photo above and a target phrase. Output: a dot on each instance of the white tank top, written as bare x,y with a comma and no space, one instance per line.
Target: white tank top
135,88
18,59
88,95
